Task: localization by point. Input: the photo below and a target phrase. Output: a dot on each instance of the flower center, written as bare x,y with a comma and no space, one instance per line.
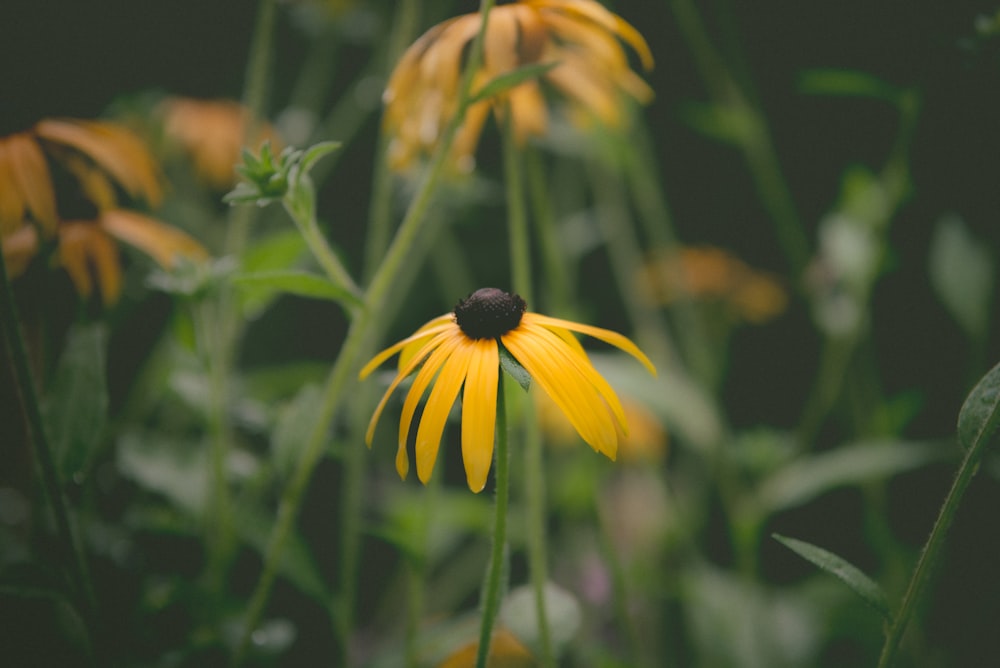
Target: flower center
488,313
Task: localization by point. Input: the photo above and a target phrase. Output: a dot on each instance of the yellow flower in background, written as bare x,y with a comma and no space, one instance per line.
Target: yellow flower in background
713,274
212,133
463,348
100,158
591,74
88,251
99,154
506,651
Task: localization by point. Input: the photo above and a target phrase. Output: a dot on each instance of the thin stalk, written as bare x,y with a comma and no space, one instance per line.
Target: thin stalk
520,257
930,555
304,216
492,585
362,327
558,291
27,394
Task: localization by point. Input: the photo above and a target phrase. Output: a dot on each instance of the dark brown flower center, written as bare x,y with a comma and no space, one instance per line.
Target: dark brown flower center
488,313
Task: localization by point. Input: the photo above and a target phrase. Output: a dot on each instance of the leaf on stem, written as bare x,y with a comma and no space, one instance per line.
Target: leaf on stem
848,573
511,79
514,369
979,415
263,284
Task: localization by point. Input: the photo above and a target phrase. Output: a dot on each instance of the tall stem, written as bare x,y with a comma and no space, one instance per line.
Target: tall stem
10,331
520,258
493,584
363,327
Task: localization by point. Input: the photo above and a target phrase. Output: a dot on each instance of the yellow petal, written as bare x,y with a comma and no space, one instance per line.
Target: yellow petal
597,13
11,202
423,380
555,373
427,331
613,338
161,242
479,412
506,651
438,406
582,365
19,247
433,343
118,151
410,349
31,174
73,254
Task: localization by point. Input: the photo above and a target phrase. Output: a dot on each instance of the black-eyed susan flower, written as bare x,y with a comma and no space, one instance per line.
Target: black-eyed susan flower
212,133
462,351
590,74
92,161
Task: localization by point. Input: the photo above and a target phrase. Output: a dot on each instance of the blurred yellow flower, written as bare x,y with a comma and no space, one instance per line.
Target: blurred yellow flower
581,37
465,347
212,133
101,157
713,274
99,154
506,651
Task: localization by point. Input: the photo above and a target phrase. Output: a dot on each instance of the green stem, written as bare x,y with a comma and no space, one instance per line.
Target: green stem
558,291
301,209
492,585
24,384
362,329
520,257
930,555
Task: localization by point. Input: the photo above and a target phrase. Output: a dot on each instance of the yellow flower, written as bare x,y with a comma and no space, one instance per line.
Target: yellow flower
464,347
506,651
212,132
88,251
101,157
581,37
98,153
713,274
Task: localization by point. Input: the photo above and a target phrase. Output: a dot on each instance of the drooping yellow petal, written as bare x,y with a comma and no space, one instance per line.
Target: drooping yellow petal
19,247
423,380
613,338
599,14
427,331
31,175
553,342
556,375
479,412
11,201
438,406
161,242
118,151
433,343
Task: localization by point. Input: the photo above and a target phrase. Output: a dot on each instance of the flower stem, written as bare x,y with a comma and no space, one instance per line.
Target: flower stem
929,556
492,585
364,327
10,331
520,257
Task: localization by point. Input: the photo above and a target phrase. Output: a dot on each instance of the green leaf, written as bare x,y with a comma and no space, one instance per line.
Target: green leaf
312,154
847,83
76,406
962,271
730,124
979,415
848,573
809,476
277,251
514,369
301,283
511,79
175,469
